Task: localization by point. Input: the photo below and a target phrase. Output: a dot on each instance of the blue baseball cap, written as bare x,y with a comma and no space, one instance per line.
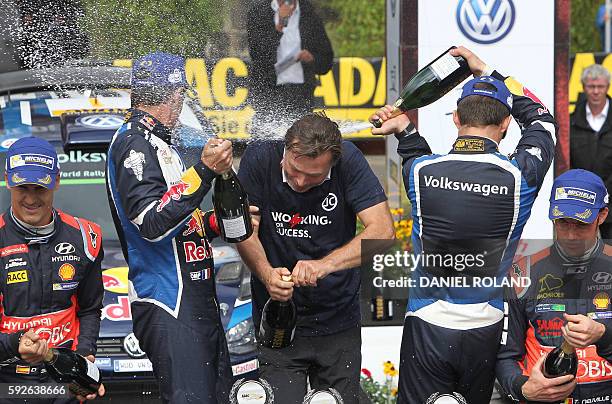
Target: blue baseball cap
31,160
577,194
501,94
159,69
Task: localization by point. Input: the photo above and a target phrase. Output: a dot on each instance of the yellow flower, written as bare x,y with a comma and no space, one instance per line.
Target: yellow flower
389,369
394,391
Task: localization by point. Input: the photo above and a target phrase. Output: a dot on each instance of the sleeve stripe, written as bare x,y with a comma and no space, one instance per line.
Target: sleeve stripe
549,127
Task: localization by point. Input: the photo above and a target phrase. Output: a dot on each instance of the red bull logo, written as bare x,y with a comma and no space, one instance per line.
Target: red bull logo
110,281
193,225
174,193
119,311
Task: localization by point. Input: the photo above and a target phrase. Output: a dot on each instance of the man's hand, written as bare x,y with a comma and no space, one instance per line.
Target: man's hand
307,272
255,217
217,155
304,56
32,348
101,389
477,66
390,125
539,388
581,331
278,289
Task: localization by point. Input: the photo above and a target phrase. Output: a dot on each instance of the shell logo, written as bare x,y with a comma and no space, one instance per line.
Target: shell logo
601,301
66,272
116,280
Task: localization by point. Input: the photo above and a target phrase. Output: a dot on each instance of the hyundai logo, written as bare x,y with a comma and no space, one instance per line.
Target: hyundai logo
602,277
485,21
64,248
105,121
132,347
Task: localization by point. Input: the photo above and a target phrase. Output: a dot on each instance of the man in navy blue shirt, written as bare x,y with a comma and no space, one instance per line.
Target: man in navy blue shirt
310,189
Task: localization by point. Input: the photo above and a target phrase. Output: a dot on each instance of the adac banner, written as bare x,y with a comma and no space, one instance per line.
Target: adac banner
349,93
578,63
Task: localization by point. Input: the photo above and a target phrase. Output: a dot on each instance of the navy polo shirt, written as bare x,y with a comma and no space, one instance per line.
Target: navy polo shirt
303,226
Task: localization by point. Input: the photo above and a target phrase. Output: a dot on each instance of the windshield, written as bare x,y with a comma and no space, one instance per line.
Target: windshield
82,190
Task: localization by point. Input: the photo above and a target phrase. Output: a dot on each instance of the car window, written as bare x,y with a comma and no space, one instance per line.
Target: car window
82,191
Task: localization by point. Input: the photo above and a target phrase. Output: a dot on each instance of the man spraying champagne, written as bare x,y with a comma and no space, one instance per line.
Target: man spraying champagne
490,197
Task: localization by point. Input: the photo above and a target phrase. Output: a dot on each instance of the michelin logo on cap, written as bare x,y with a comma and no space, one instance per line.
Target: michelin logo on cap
576,194
22,160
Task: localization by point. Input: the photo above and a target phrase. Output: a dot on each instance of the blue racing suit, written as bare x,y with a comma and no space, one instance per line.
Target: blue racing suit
469,208
165,238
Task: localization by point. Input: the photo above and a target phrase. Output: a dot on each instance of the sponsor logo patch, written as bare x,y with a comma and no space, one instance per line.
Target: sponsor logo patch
600,315
66,272
135,162
31,159
65,286
544,307
575,194
601,301
469,145
17,277
13,249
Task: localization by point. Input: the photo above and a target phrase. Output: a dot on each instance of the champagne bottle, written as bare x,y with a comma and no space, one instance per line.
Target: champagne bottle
67,366
278,321
430,83
561,361
231,205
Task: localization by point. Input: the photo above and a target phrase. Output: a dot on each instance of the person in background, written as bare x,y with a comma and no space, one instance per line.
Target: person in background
591,132
288,45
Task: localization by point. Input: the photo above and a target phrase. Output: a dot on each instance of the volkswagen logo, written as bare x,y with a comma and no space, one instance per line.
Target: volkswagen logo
602,277
132,347
485,21
64,248
105,121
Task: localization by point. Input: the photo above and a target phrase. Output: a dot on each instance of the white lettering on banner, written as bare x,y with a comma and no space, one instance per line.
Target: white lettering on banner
17,263
79,157
474,187
17,326
194,252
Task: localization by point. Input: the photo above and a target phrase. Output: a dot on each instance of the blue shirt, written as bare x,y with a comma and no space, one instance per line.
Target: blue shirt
305,226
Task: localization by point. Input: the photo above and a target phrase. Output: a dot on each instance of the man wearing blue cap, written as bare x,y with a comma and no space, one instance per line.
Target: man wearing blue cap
568,298
470,205
165,237
51,262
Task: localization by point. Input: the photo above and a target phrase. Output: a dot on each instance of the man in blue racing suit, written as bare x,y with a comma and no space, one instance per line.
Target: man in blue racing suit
469,208
165,237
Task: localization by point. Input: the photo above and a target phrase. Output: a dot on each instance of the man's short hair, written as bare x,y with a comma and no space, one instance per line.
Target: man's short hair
153,95
593,72
478,110
314,134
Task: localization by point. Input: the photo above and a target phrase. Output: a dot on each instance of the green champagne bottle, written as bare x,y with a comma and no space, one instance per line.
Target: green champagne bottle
231,205
430,83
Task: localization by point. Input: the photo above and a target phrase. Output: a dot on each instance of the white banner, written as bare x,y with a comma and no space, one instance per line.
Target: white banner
516,37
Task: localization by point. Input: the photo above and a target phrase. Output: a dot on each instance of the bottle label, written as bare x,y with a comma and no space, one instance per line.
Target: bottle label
444,66
234,228
92,371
